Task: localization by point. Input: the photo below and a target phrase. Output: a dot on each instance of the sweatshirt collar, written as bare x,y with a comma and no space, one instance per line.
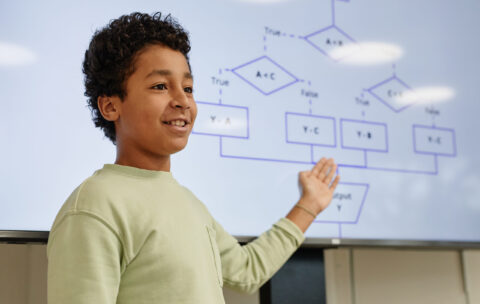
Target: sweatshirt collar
137,172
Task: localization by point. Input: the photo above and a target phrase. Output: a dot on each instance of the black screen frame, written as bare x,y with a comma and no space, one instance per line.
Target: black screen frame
26,236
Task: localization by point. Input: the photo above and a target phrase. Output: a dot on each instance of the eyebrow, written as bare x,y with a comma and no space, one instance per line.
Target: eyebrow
186,75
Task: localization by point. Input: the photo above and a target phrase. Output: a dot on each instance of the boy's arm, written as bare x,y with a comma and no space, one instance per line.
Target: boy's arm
84,261
247,267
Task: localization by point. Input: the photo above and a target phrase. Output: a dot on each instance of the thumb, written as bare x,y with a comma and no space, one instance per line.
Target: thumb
302,175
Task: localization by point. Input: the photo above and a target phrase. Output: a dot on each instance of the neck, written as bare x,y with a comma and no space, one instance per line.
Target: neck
142,160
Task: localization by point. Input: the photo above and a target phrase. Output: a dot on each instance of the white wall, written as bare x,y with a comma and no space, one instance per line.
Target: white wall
354,276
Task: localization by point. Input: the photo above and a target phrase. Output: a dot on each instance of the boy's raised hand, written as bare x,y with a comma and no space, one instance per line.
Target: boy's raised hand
317,186
317,191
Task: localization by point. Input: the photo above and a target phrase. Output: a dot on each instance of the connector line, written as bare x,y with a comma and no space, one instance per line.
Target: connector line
312,160
333,12
367,167
364,166
259,158
365,158
310,99
311,147
220,92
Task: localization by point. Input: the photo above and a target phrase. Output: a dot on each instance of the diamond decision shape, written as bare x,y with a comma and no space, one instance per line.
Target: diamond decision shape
394,93
265,75
332,42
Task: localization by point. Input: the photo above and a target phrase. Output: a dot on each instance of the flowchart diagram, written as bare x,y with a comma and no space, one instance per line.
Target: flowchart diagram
267,76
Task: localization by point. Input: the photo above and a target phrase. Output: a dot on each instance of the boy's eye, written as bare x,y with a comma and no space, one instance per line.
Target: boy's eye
188,90
160,86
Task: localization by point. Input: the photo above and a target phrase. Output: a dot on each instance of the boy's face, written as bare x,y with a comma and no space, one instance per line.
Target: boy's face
158,111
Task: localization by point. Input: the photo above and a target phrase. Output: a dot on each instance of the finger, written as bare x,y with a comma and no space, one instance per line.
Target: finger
335,183
331,174
319,166
325,170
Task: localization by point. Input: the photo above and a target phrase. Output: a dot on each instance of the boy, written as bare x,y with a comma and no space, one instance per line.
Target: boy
131,233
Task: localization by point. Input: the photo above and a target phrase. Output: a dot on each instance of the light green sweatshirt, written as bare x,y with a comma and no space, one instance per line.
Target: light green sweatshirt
128,235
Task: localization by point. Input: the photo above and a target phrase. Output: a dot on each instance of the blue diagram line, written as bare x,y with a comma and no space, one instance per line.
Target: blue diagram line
367,167
364,166
311,154
333,12
260,158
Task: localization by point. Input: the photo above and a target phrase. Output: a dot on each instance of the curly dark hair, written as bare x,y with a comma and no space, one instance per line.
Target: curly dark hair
110,57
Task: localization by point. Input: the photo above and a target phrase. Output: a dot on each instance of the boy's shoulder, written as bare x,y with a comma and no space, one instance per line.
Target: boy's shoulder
85,198
115,193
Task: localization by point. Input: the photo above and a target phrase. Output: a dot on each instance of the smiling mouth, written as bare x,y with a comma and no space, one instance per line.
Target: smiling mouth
178,123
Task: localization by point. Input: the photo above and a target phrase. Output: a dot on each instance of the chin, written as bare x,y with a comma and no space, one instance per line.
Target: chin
177,147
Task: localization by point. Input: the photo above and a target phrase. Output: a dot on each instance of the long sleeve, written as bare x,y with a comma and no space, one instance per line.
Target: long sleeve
247,267
84,261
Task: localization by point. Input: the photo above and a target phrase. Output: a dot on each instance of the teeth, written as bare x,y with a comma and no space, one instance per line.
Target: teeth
179,123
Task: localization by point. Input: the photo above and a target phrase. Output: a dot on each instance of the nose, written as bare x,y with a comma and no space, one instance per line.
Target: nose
180,99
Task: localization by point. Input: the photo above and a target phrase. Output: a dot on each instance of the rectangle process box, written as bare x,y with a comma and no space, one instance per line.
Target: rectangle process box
307,129
221,120
434,140
363,135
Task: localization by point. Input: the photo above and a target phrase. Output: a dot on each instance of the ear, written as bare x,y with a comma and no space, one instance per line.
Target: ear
110,107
